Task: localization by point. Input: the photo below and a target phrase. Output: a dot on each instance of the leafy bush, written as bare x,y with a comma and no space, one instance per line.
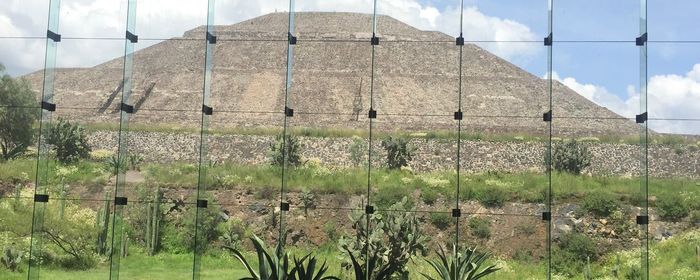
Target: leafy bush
572,253
398,152
480,227
571,157
695,217
396,237
11,258
292,153
440,220
358,151
69,141
466,266
385,197
493,197
16,117
600,204
428,195
672,207
308,199
231,232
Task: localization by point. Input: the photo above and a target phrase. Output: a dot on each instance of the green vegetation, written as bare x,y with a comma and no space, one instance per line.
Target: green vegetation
358,151
285,150
672,207
570,156
572,252
398,152
600,204
493,197
465,266
395,239
480,227
441,220
69,141
18,111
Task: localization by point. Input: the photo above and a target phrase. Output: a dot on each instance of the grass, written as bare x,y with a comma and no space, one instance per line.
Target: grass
670,259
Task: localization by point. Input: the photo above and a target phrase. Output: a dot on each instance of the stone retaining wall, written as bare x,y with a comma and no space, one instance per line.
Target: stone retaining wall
431,154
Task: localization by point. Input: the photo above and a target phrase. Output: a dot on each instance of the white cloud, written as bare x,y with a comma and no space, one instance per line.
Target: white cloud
171,18
668,97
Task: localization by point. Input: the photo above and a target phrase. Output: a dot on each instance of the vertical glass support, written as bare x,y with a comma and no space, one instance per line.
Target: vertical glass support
548,159
287,88
369,147
209,41
643,138
455,251
42,169
122,154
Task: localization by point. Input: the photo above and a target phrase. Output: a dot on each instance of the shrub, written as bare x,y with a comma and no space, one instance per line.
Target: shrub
600,204
387,196
69,141
16,117
11,258
308,199
571,157
695,217
480,227
358,151
231,232
440,220
572,253
292,154
395,238
493,197
398,152
672,207
429,195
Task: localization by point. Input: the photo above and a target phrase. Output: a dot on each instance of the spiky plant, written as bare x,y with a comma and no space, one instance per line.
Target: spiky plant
307,270
467,265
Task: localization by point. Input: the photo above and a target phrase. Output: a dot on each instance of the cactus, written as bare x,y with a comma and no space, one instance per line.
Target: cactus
153,222
62,201
102,224
125,245
309,201
11,258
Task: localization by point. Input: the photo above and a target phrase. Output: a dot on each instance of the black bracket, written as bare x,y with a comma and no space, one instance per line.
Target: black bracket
284,206
48,106
641,40
641,118
53,36
211,38
202,203
120,200
548,40
372,114
129,109
291,38
460,41
41,198
369,209
375,40
546,216
456,213
289,112
547,116
459,115
642,220
132,37
207,110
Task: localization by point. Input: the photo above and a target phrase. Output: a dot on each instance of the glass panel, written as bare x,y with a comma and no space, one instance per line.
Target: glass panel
93,19
25,18
674,211
596,162
668,23
596,20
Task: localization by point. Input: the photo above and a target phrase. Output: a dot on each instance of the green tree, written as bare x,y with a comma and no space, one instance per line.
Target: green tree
16,116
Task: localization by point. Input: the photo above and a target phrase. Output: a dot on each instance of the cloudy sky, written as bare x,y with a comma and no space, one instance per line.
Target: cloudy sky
598,58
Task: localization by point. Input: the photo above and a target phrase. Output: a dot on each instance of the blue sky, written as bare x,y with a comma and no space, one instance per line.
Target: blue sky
605,72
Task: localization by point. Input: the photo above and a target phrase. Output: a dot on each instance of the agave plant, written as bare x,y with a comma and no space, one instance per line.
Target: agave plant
307,271
276,266
466,266
374,269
